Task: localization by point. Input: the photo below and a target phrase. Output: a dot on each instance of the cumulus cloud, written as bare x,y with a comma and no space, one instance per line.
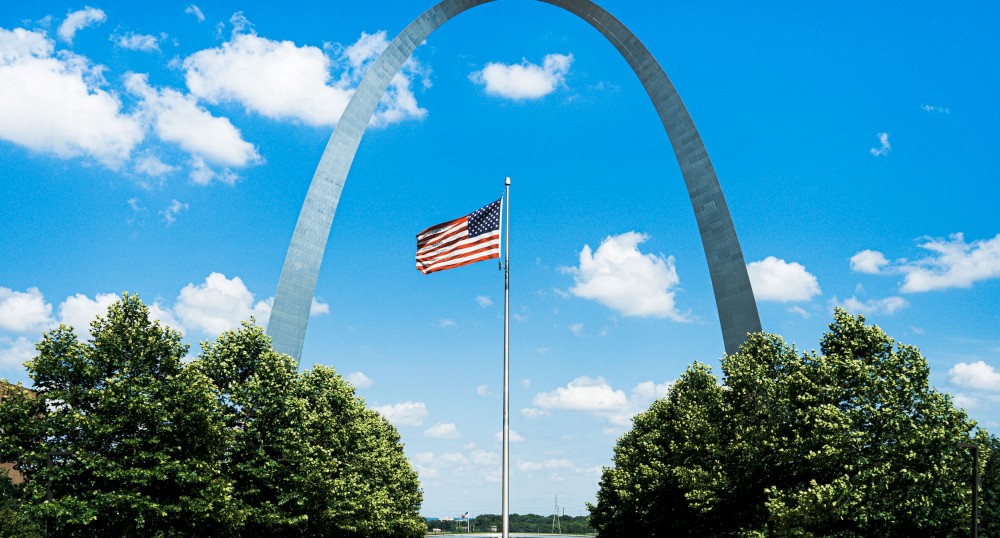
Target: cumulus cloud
78,20
774,279
281,80
404,413
79,310
888,305
524,80
318,307
216,305
964,401
884,146
134,41
483,390
219,304
598,397
24,311
868,261
179,119
56,104
13,353
953,264
484,301
583,394
443,430
360,380
620,277
151,165
976,375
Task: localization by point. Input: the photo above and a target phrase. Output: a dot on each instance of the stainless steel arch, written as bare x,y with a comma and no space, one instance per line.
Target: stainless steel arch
733,294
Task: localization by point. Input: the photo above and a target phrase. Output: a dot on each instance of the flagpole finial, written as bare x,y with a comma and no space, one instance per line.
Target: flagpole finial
507,181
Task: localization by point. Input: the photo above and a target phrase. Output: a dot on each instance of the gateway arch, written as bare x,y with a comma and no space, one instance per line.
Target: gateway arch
733,295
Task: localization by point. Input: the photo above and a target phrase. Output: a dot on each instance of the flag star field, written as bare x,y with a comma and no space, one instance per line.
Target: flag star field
165,149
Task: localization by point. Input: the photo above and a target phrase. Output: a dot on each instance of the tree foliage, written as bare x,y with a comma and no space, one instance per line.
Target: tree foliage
309,458
851,441
139,433
233,443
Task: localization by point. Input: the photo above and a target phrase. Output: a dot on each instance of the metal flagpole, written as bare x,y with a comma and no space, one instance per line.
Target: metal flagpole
506,368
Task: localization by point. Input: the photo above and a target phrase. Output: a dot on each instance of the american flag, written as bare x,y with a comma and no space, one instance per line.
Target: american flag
472,238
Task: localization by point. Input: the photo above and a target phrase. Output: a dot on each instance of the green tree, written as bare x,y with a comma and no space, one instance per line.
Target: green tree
989,500
142,431
666,466
851,441
307,456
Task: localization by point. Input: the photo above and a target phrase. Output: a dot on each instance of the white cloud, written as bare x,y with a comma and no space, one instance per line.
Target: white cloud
318,308
557,466
219,304
976,375
484,301
483,457
514,436
524,80
443,430
158,313
620,277
884,145
774,279
404,413
576,329
196,11
954,264
965,401
360,380
596,396
281,80
78,20
151,165
13,353
799,311
24,311
79,310
170,212
56,104
888,305
483,390
178,119
583,394
531,412
935,109
134,41
868,261
446,324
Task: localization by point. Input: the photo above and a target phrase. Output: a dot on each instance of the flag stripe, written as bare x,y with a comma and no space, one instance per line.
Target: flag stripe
449,244
489,248
441,228
485,244
459,244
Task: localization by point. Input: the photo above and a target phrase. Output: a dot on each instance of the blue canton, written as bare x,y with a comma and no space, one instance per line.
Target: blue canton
485,220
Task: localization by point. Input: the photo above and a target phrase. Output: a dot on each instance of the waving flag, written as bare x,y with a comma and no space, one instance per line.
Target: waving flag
472,238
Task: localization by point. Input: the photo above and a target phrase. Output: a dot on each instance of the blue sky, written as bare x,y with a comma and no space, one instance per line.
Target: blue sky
166,150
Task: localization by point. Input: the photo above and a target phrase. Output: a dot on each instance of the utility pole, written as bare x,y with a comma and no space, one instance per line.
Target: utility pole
556,522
